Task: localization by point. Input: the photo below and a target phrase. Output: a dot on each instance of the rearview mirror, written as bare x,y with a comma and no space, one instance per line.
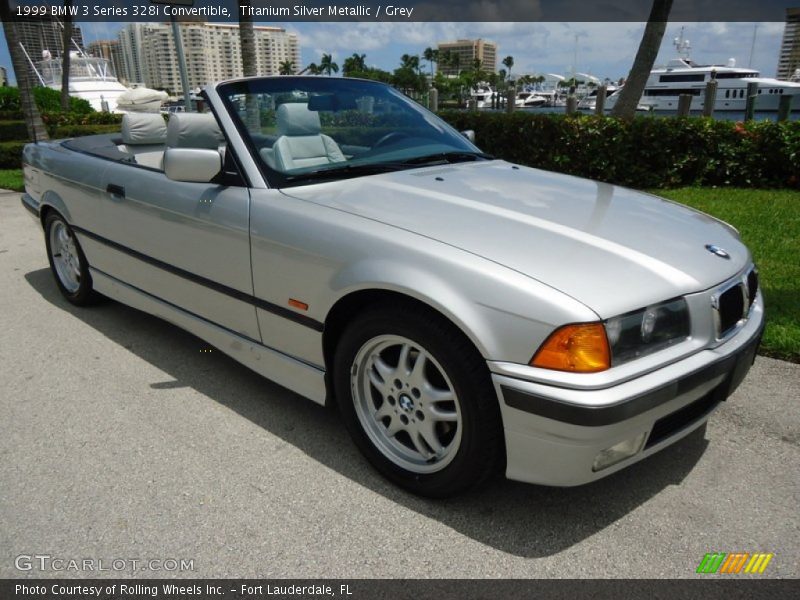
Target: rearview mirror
199,165
469,134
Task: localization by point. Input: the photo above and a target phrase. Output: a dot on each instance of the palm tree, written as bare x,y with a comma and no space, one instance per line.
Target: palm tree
629,96
66,43
455,62
408,61
327,66
450,60
286,68
357,63
247,40
247,44
312,69
477,70
508,62
432,56
33,120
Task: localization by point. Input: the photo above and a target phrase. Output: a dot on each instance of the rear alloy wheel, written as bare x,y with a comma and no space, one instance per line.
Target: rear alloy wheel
67,261
417,400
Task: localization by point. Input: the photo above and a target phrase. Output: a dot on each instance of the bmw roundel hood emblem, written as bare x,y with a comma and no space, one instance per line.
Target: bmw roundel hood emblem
718,251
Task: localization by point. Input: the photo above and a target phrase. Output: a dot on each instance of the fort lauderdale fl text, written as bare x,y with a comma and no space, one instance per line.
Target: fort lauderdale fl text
169,589
332,10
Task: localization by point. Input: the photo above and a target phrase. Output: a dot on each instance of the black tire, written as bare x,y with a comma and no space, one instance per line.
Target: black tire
453,364
75,286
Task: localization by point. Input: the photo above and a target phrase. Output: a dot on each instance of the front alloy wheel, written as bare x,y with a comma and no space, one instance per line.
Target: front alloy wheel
406,403
417,399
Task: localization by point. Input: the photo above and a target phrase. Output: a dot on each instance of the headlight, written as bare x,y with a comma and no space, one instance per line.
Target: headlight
647,330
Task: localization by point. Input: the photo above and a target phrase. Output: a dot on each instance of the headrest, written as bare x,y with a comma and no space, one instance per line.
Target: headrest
143,128
193,130
296,119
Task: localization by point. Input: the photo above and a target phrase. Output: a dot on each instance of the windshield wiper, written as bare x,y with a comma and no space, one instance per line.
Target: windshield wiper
348,171
454,156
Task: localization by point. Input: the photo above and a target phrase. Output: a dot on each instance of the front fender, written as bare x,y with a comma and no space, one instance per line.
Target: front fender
502,312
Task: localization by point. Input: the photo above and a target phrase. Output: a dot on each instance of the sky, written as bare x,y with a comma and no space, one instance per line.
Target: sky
602,49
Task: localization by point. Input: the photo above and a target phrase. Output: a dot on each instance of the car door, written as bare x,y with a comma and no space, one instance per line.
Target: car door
184,243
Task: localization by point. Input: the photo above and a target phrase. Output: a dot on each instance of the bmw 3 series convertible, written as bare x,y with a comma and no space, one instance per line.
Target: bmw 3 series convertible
467,316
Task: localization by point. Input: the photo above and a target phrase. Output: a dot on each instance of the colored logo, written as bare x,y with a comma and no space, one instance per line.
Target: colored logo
734,562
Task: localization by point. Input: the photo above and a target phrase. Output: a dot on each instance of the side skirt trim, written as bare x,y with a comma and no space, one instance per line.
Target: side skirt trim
290,372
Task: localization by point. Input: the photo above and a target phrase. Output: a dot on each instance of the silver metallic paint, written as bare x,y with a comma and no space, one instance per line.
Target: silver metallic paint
197,165
506,253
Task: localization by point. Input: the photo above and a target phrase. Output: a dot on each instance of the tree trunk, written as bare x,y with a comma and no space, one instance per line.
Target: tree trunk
66,44
36,128
630,94
247,42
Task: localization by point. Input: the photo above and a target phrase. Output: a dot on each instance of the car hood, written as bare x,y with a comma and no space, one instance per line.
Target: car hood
611,248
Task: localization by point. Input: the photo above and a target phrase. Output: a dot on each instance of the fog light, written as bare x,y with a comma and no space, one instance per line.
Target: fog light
618,452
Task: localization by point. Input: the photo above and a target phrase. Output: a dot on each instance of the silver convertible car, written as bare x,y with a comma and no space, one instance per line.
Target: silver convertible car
468,316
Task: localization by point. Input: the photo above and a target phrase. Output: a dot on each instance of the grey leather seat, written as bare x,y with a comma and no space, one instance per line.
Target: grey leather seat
193,130
144,135
301,143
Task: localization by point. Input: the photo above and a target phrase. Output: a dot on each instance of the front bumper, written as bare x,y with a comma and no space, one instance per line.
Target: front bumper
554,434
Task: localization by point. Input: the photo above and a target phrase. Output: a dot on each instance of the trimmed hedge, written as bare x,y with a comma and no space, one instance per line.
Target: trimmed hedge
11,152
70,131
11,155
47,100
13,130
648,152
57,122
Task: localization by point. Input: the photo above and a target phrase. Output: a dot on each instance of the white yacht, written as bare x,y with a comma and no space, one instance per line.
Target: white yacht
529,100
589,101
93,79
90,78
482,95
684,76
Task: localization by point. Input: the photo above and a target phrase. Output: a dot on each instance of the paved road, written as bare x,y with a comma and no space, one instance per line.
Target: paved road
121,438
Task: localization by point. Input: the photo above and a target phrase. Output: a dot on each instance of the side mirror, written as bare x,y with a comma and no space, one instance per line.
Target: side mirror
469,134
199,165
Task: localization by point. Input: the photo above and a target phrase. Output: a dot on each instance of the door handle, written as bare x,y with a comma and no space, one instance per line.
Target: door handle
116,190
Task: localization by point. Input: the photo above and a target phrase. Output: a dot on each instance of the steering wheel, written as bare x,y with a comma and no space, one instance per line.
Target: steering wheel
392,135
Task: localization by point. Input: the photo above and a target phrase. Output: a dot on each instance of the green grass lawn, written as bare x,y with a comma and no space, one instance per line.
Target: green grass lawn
11,179
769,221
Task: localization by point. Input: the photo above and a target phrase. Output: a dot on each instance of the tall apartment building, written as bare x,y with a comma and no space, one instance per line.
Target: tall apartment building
108,49
467,51
130,44
45,34
3,77
789,59
212,53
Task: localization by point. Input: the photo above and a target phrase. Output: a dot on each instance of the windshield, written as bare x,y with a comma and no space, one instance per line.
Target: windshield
309,129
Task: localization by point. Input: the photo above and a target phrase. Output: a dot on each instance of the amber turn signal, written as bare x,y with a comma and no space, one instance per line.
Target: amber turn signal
298,304
580,348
